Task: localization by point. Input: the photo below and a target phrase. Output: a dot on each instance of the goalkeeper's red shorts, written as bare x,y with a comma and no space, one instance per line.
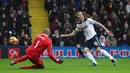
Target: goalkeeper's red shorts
34,58
36,61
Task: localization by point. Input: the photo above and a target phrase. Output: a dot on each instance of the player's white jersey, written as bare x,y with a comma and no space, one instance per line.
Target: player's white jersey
88,28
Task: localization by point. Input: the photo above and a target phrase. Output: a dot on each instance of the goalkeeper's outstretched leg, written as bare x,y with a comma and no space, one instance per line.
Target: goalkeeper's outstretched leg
37,64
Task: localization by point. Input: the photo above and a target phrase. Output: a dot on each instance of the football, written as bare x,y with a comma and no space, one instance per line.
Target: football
13,40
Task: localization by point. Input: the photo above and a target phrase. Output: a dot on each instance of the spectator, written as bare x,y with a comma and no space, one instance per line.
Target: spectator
71,5
10,33
99,30
26,25
123,41
5,41
112,41
53,15
14,27
25,40
56,37
55,25
103,41
10,19
104,16
67,27
66,16
11,8
25,5
128,8
72,16
125,28
121,6
63,8
4,18
94,5
4,29
77,4
114,20
48,5
95,16
83,6
117,34
109,26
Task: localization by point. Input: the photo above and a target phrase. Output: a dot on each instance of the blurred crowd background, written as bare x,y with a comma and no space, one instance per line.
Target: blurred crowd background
114,14
14,21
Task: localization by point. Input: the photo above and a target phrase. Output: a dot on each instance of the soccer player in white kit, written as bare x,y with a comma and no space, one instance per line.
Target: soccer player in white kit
87,25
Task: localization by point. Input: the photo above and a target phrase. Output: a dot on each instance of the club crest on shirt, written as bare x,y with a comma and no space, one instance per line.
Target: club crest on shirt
95,43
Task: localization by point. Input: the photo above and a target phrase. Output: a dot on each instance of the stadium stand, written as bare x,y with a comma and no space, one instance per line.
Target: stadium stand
114,14
39,18
15,21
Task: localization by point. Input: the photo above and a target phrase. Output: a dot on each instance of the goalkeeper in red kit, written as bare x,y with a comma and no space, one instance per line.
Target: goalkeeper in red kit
33,52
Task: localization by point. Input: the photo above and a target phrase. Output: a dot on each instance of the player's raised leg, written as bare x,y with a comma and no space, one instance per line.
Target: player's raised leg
90,57
97,45
104,52
23,58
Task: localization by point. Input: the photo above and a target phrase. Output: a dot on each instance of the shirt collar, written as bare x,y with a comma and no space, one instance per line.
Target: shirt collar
45,35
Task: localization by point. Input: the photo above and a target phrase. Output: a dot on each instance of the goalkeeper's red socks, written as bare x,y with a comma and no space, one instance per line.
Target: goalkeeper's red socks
25,57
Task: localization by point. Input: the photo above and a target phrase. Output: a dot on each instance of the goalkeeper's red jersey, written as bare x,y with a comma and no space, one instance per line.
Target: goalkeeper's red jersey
39,45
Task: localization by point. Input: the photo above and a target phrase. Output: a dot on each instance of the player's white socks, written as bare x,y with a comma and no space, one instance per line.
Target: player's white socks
106,54
90,57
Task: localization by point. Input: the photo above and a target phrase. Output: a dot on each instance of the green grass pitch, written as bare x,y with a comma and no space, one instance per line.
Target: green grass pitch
70,65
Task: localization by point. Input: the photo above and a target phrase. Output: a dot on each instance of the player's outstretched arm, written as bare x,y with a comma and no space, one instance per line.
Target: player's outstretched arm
69,35
51,55
108,32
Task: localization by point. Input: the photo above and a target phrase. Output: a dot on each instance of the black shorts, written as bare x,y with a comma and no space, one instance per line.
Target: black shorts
80,37
93,42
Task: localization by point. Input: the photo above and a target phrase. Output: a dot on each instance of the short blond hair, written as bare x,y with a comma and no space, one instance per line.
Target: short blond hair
79,13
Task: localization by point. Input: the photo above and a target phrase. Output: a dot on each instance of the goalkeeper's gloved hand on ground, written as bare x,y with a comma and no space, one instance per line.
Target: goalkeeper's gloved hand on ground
59,61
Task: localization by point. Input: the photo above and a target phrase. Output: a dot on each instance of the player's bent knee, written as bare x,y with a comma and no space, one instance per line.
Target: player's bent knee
98,49
86,50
